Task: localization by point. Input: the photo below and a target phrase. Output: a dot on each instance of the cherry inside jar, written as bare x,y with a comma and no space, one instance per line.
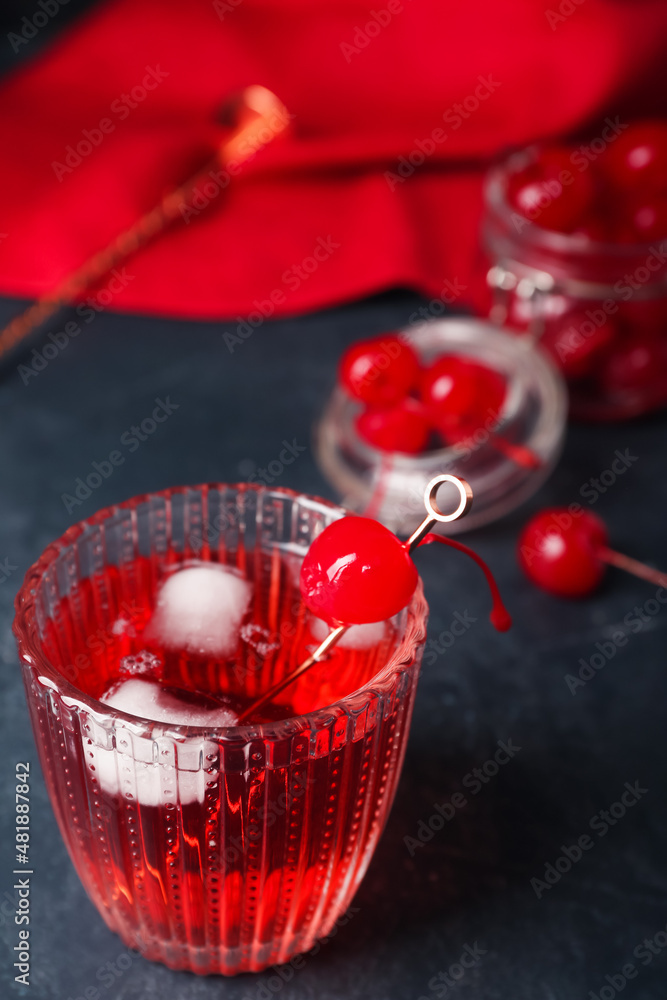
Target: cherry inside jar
597,302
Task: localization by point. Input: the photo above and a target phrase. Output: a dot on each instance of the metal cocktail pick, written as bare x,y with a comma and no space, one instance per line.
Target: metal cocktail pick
433,515
256,117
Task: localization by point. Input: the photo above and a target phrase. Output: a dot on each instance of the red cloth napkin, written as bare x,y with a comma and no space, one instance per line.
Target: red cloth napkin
398,109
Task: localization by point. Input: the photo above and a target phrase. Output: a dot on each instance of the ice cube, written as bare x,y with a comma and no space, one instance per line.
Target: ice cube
149,700
144,663
261,639
171,771
356,637
123,626
199,610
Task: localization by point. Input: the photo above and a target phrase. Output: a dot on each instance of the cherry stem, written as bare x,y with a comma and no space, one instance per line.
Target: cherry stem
633,566
499,616
518,453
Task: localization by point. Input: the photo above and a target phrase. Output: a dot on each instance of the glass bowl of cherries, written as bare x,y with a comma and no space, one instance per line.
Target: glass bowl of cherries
454,396
578,239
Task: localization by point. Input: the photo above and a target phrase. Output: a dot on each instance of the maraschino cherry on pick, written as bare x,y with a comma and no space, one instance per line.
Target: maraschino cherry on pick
567,553
357,571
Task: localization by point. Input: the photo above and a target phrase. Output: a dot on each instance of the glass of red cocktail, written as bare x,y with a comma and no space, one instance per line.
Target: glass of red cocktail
209,845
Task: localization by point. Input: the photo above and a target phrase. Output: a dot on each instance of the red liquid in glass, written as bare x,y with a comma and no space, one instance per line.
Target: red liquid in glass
248,861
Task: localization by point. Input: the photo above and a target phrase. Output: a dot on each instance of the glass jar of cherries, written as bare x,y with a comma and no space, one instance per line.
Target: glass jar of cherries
578,239
451,396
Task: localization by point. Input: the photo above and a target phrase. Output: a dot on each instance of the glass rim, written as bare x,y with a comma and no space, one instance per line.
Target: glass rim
24,627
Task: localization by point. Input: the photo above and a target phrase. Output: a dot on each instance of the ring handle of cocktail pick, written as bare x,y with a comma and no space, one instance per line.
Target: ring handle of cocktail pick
433,512
258,116
371,533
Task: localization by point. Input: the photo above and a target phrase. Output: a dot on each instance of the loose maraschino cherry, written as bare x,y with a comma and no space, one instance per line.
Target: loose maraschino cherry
559,552
380,371
403,427
566,553
460,393
461,397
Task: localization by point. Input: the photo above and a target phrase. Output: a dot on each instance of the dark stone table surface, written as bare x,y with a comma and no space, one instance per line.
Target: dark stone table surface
467,890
